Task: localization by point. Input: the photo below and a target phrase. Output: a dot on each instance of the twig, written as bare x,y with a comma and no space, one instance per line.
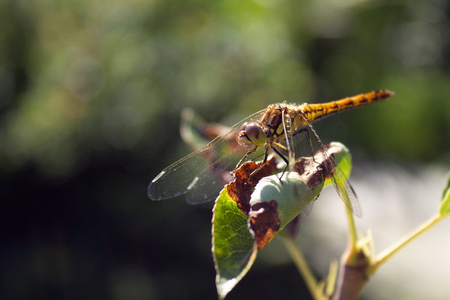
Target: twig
303,268
353,267
388,253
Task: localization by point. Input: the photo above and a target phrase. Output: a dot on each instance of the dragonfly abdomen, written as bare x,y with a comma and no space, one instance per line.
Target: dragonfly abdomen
313,112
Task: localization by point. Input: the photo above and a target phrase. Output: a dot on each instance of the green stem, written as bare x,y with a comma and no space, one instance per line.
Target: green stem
353,238
303,268
388,253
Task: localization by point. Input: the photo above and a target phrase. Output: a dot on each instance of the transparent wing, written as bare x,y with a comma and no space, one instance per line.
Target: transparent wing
346,191
203,173
340,182
295,142
290,141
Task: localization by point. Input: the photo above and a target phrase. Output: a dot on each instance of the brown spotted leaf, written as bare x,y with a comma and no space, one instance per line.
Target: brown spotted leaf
264,222
278,202
241,189
252,209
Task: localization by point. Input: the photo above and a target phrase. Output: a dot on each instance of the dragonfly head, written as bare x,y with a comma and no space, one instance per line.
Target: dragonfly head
251,134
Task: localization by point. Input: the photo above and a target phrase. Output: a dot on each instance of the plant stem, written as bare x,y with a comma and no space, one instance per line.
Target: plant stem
388,253
353,238
303,268
354,263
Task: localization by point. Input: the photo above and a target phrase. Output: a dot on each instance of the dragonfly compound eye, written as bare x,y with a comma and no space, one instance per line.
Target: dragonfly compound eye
251,134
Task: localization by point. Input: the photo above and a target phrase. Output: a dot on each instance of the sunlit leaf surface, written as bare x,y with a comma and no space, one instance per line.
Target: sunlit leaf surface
233,246
292,195
274,203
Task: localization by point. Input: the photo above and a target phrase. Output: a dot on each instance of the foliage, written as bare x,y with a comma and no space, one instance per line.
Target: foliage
82,78
90,98
237,236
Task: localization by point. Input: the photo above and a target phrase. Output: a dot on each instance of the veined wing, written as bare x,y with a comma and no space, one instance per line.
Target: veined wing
289,137
340,182
346,191
203,173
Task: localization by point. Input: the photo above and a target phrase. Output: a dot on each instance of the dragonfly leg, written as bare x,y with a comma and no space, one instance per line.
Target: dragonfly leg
242,159
313,131
331,163
260,166
257,156
240,163
285,160
309,141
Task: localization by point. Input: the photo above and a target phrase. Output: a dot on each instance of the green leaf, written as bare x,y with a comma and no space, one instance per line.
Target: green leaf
292,195
273,204
233,246
445,202
343,159
191,128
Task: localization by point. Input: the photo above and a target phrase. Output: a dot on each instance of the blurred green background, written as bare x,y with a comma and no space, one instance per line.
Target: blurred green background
90,100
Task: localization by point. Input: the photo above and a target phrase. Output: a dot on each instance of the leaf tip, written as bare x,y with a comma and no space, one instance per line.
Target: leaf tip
224,286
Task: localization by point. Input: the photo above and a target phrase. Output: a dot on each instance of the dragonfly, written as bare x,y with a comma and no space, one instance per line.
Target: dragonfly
275,130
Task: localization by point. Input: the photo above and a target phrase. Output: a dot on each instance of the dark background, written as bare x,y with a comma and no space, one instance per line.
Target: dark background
90,100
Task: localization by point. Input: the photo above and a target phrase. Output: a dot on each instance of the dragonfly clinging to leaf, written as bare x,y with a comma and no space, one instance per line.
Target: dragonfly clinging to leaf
273,130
